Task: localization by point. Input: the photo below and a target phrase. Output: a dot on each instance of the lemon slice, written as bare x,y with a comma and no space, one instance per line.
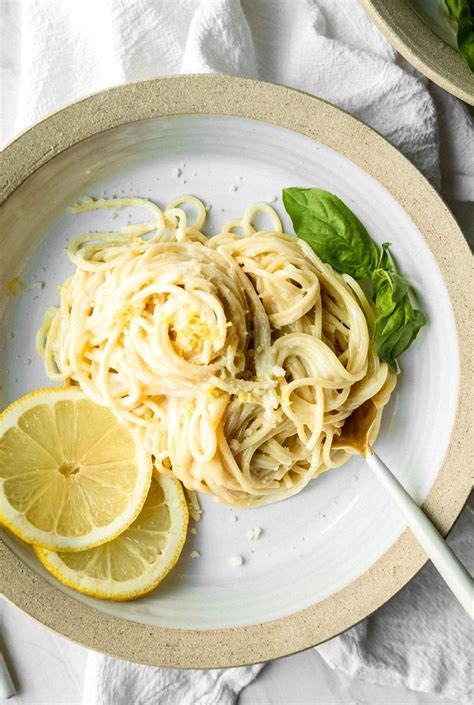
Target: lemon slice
71,475
135,562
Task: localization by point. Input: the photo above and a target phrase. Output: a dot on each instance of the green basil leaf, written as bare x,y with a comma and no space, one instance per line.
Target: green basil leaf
461,12
332,230
385,261
395,331
389,289
339,238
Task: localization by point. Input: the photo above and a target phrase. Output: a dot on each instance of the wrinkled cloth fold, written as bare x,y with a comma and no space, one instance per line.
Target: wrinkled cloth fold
109,681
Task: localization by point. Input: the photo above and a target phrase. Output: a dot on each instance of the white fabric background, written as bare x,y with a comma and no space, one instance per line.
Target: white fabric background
56,51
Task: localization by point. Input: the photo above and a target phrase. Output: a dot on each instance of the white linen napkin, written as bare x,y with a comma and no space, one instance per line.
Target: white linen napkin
56,51
109,681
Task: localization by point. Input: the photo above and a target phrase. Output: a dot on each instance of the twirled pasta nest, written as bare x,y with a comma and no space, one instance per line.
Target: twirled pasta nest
236,358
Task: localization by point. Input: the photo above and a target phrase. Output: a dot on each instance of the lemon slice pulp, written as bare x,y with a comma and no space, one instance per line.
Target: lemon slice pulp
71,475
135,562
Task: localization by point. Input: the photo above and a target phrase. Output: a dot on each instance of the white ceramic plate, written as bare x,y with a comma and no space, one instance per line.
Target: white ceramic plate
313,544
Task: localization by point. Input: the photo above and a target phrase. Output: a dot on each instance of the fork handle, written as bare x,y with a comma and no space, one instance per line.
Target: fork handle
448,565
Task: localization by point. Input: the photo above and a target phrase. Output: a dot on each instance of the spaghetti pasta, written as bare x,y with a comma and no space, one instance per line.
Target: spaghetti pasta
236,358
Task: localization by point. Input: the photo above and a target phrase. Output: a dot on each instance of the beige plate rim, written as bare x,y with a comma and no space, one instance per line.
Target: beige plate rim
407,32
297,111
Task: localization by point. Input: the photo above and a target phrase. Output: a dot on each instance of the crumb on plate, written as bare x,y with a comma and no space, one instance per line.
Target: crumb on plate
254,534
237,560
